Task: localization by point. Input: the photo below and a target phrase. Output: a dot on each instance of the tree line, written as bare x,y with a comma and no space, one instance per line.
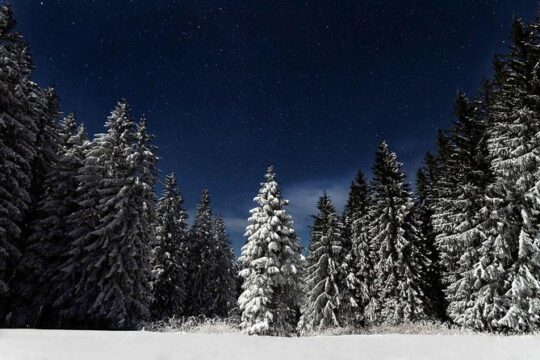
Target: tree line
86,243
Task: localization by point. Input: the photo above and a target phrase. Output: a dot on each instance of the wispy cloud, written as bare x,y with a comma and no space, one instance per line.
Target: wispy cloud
303,198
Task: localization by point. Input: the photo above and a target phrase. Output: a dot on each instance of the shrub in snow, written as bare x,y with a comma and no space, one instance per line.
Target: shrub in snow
196,324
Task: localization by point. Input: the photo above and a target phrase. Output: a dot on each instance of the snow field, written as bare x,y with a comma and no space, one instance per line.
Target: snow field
31,344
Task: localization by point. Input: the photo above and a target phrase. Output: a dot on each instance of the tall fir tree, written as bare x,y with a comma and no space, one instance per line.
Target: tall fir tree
423,212
269,264
349,283
170,260
224,272
201,256
396,242
322,307
18,131
108,264
33,285
362,267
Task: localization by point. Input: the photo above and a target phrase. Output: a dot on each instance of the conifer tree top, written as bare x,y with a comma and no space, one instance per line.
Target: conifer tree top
7,20
170,182
270,175
358,194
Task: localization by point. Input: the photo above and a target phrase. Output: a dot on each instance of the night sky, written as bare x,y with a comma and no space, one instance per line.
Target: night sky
229,87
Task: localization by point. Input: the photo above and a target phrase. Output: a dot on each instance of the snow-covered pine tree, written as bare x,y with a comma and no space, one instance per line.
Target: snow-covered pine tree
201,257
322,307
17,146
501,289
169,262
225,272
399,277
461,186
108,264
360,281
33,286
423,213
348,282
269,265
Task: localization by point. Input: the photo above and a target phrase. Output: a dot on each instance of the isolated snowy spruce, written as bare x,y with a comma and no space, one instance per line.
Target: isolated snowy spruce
269,264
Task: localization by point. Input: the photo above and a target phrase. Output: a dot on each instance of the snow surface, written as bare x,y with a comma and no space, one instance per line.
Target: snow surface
30,344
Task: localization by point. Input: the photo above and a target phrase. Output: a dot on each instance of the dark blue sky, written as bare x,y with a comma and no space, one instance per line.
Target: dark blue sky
230,87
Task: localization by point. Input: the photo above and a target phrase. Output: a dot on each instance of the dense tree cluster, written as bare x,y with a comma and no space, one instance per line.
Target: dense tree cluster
85,242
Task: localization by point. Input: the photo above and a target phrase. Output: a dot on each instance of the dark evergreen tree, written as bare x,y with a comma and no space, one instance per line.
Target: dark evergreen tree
33,287
169,263
322,307
397,244
46,113
224,273
348,282
423,212
200,259
17,146
362,266
356,202
47,146
353,208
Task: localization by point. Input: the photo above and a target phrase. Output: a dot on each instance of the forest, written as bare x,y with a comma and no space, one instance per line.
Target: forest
86,241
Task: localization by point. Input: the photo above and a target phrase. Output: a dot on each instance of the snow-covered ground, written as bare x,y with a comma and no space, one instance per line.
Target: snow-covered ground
105,345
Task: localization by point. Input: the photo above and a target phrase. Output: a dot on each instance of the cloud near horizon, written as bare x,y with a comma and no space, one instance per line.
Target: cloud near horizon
303,197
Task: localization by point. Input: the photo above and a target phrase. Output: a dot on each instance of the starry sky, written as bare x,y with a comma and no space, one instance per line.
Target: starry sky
229,87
